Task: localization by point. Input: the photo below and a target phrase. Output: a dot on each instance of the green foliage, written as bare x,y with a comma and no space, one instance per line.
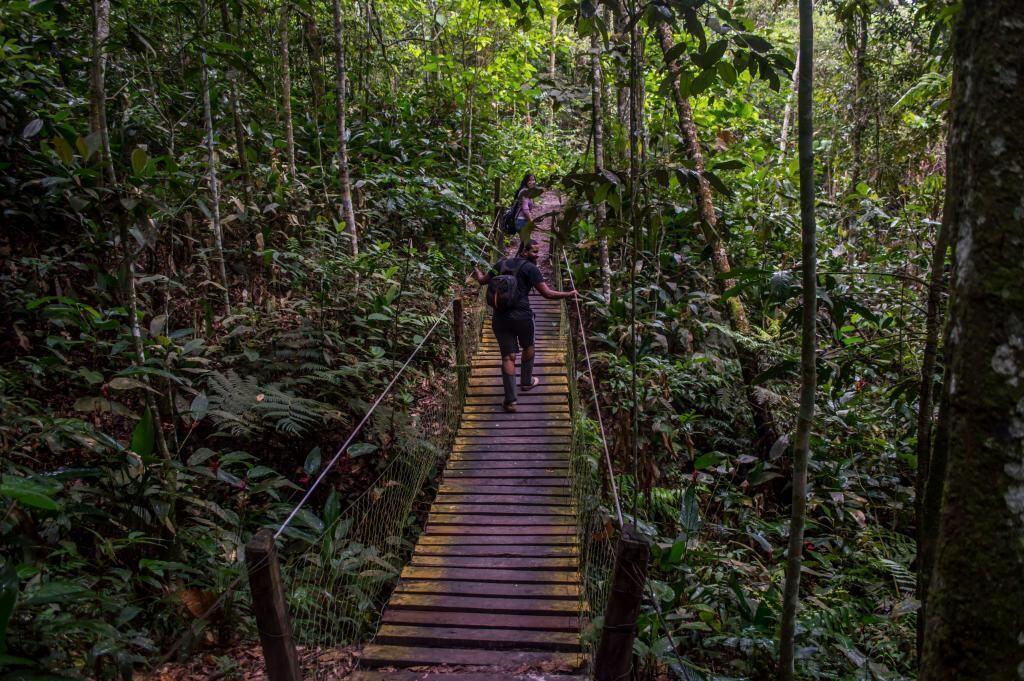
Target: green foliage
107,539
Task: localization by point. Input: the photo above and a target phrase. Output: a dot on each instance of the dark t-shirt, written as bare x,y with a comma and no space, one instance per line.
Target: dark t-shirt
529,276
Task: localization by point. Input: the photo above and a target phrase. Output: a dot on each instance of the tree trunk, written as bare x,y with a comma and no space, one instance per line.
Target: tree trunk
341,104
622,94
975,604
286,88
316,58
552,64
132,303
218,237
236,111
925,409
787,113
808,345
859,114
97,85
600,213
750,364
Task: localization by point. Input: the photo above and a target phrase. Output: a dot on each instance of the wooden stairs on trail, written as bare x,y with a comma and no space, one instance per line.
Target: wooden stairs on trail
492,590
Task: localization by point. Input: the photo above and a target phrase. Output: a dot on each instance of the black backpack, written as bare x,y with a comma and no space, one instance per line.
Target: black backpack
509,215
503,289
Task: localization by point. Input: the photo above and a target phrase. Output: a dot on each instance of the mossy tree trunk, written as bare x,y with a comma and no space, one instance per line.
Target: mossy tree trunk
974,619
597,106
348,214
750,364
925,419
286,88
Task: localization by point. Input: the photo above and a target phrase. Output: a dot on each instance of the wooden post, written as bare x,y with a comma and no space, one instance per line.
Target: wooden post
629,576
459,338
272,621
497,196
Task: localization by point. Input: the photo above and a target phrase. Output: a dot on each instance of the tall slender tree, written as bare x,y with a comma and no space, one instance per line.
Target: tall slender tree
211,162
750,362
597,109
787,112
808,345
286,87
925,417
974,615
860,109
233,101
97,85
98,126
341,104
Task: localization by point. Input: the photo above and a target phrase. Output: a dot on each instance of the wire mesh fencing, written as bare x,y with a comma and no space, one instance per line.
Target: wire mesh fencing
596,529
338,581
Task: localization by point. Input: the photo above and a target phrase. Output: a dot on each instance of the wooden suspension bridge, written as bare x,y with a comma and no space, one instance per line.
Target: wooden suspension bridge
493,589
493,584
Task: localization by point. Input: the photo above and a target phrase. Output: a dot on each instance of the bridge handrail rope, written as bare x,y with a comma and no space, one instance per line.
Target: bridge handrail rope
373,407
227,590
684,664
593,390
359,427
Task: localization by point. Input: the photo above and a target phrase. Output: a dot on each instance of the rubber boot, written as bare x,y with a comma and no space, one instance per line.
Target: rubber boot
509,381
526,374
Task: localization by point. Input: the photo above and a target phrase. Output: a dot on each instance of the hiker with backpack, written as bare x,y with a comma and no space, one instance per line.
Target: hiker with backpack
509,282
521,212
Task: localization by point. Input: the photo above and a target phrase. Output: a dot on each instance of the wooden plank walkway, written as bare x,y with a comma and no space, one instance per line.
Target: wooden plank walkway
492,590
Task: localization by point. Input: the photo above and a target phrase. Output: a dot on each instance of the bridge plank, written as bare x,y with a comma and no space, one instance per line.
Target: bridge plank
512,606
497,551
537,468
492,510
476,457
512,563
380,655
496,639
524,499
456,676
489,589
498,464
461,486
499,540
443,525
513,576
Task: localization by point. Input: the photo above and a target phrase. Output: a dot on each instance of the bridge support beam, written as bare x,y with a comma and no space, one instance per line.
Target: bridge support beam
615,651
459,339
271,609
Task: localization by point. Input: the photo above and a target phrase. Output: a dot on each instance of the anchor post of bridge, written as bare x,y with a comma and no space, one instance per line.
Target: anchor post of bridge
615,651
459,339
271,610
497,197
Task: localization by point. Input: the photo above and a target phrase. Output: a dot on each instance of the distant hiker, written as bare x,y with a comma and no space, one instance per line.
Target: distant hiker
526,204
509,282
522,210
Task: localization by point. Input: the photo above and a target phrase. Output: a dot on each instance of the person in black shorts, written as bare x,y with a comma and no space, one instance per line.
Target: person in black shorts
513,326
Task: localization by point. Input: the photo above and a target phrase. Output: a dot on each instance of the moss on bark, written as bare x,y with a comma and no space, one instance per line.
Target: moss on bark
974,626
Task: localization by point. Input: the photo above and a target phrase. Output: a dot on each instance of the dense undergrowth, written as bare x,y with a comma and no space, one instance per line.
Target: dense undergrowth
115,543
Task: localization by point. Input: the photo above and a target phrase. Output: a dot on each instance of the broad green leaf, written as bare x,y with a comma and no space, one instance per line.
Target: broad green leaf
200,405
139,160
312,464
710,57
30,492
32,129
361,449
144,435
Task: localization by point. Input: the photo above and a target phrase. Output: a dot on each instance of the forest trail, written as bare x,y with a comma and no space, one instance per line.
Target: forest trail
493,586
